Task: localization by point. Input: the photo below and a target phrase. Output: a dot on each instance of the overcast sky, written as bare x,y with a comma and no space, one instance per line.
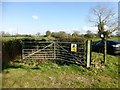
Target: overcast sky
33,17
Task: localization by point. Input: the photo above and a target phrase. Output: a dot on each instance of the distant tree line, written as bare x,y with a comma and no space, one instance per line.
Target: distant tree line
60,34
6,34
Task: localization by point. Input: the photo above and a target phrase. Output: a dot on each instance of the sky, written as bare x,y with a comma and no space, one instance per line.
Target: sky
34,17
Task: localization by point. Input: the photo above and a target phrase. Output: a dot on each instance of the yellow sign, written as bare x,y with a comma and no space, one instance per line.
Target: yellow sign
73,47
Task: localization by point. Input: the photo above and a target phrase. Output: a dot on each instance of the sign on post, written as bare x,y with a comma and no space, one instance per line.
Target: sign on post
73,47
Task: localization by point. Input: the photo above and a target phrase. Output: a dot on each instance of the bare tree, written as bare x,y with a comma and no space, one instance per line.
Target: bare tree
104,18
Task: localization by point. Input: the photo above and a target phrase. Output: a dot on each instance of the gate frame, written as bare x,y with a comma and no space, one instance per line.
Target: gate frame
88,51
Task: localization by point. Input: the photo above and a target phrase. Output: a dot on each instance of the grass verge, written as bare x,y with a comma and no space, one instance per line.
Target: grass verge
51,75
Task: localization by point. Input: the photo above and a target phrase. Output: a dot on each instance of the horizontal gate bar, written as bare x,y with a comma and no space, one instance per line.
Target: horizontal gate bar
37,51
52,42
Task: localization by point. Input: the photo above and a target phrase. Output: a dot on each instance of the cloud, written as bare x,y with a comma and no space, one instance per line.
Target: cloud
35,17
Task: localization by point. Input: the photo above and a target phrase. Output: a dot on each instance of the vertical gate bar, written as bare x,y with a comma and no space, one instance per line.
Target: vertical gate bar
88,53
23,50
54,51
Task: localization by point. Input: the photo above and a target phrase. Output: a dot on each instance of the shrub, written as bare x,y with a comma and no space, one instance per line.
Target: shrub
10,51
72,39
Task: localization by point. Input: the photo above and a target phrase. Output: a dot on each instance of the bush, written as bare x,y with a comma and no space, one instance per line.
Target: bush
10,51
60,34
72,39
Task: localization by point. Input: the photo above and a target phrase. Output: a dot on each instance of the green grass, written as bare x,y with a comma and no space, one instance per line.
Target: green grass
50,38
13,38
52,75
111,38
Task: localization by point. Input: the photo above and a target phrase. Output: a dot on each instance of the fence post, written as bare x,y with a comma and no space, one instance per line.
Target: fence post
88,53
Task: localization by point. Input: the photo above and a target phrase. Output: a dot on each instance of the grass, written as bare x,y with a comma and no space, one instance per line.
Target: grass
50,38
52,75
14,38
111,38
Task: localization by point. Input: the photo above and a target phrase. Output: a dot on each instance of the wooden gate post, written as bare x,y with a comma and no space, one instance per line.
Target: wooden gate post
88,53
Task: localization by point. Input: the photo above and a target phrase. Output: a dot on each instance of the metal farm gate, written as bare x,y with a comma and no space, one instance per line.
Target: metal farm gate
73,52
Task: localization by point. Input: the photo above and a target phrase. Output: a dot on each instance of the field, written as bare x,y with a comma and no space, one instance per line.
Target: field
111,38
52,75
14,38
